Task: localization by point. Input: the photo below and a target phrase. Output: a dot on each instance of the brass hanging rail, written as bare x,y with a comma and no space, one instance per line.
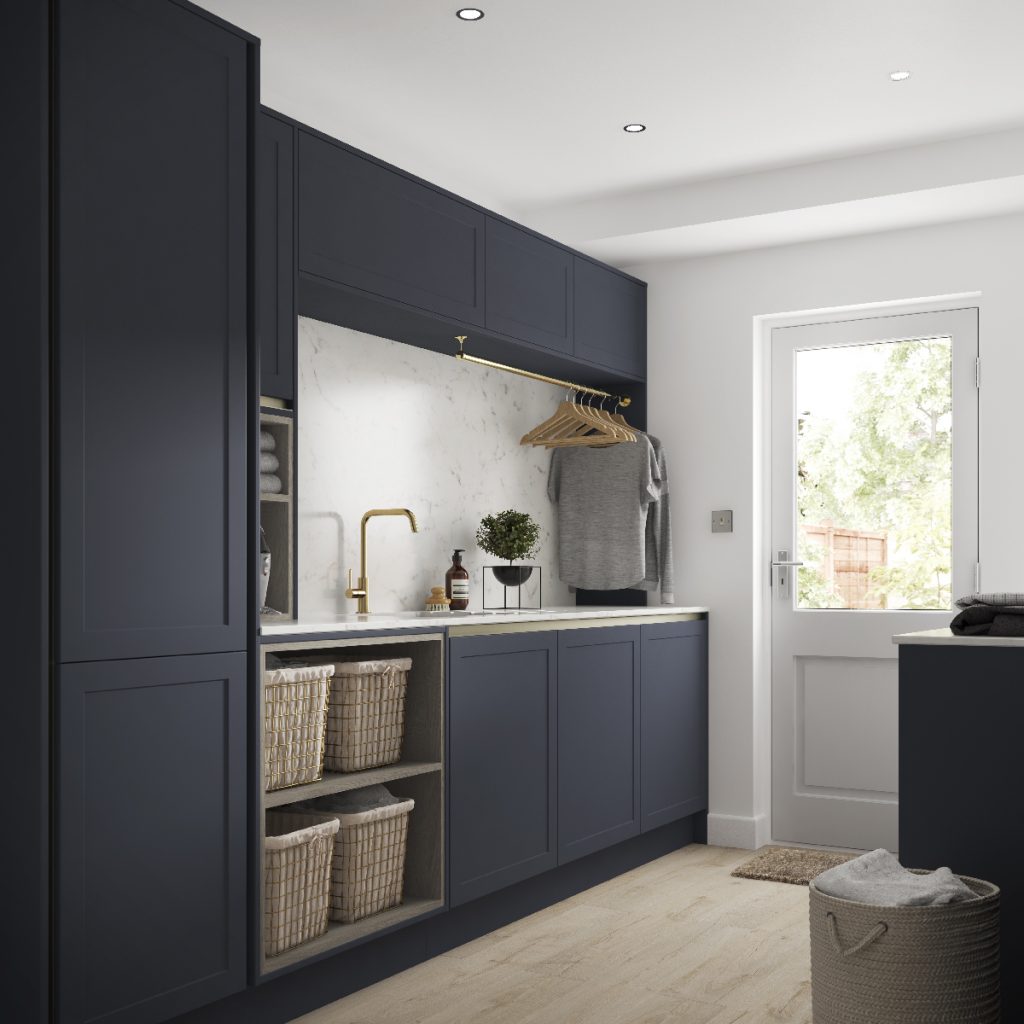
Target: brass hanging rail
622,401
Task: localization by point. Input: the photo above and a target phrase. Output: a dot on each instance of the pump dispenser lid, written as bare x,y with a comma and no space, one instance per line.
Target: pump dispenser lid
459,551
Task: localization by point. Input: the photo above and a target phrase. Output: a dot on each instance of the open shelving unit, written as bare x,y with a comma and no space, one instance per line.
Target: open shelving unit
419,775
277,515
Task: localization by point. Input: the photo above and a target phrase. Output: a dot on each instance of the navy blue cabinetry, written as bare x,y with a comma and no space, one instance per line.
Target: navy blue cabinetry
366,226
674,722
275,255
501,761
151,837
611,318
598,738
152,329
529,287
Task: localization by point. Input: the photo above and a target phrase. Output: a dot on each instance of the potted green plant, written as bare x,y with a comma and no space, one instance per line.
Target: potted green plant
509,535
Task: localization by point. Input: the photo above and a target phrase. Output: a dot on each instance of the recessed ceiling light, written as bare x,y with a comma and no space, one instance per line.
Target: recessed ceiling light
469,14
634,128
899,76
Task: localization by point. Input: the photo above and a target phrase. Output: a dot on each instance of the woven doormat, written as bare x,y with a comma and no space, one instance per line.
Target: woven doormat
784,864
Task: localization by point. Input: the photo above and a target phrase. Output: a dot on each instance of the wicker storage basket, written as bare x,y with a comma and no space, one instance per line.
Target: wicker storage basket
294,724
366,716
368,868
297,854
905,965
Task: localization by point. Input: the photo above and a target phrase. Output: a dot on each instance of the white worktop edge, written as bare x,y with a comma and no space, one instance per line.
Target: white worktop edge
947,638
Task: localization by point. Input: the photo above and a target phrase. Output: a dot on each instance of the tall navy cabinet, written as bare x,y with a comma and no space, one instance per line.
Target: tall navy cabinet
153,329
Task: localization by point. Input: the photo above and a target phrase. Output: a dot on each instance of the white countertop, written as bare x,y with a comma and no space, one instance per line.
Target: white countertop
440,620
946,637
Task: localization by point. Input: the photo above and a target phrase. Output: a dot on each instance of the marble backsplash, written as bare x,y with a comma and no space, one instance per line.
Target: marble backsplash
383,424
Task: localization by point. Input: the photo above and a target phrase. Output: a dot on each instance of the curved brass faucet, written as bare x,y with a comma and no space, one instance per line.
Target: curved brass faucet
361,591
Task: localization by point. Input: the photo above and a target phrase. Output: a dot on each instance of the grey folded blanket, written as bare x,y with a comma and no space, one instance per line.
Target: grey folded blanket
270,484
879,878
995,614
269,462
267,441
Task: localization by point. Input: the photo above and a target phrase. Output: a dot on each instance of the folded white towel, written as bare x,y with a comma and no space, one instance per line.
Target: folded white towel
267,441
879,878
269,462
270,484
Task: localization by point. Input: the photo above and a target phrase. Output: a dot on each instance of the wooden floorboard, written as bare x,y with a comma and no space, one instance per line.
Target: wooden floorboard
677,941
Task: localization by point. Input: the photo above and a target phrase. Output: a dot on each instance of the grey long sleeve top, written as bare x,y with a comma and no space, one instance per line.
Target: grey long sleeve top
658,534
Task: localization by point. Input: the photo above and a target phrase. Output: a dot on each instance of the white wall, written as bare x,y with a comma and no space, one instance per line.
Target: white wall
704,375
384,425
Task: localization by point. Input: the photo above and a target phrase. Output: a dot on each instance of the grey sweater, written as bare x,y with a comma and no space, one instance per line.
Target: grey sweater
603,495
658,534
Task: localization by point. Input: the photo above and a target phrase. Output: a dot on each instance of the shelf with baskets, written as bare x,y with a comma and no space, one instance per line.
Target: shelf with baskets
277,508
375,699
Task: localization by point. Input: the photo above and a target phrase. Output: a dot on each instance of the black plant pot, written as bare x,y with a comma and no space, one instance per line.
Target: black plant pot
512,575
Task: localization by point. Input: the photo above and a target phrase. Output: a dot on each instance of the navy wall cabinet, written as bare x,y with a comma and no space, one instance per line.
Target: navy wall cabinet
529,287
152,328
502,712
610,318
598,738
151,856
275,255
674,722
366,226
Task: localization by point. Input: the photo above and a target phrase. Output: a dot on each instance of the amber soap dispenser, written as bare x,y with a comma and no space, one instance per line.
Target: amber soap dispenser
456,583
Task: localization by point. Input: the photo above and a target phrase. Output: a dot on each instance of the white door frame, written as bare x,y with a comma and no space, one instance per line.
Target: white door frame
762,593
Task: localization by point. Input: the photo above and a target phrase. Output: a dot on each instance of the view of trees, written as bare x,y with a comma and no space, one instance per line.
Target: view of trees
885,466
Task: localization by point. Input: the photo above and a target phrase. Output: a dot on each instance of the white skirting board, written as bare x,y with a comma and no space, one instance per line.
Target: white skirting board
738,832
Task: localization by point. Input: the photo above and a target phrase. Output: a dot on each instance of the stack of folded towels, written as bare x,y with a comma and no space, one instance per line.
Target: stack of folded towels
270,482
990,615
879,878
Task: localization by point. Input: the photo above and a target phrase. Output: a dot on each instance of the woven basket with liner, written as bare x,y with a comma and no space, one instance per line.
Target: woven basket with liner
906,965
297,852
294,724
366,715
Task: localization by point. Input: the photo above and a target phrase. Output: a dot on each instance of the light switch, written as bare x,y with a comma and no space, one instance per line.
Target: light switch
721,521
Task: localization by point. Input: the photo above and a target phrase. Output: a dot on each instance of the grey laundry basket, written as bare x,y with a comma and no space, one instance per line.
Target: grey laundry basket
906,965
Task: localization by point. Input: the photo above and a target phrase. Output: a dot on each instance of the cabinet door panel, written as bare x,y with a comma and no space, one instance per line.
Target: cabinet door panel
529,287
151,857
611,319
598,739
363,225
275,255
152,330
501,761
674,722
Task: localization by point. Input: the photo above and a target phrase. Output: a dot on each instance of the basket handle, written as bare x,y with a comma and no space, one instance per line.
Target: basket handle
876,933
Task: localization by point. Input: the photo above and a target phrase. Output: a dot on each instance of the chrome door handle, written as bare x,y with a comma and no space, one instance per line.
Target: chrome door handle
783,564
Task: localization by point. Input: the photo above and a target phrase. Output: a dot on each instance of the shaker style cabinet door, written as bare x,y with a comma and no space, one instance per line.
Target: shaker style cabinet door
152,330
611,319
674,722
151,824
501,765
529,287
366,226
598,738
277,324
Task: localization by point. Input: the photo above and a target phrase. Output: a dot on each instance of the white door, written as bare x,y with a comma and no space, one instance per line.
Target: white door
874,489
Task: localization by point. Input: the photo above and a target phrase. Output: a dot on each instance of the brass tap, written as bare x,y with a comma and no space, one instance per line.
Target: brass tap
361,591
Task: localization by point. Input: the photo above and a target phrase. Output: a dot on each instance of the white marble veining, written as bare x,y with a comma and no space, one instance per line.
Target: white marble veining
439,620
383,424
946,637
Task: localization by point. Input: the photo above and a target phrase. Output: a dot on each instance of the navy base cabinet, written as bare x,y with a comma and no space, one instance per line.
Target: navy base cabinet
502,712
674,722
151,827
598,738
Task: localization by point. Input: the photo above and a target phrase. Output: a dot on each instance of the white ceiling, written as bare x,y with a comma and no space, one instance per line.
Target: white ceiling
523,111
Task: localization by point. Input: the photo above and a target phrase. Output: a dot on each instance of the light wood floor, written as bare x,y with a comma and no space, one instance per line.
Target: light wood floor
674,942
